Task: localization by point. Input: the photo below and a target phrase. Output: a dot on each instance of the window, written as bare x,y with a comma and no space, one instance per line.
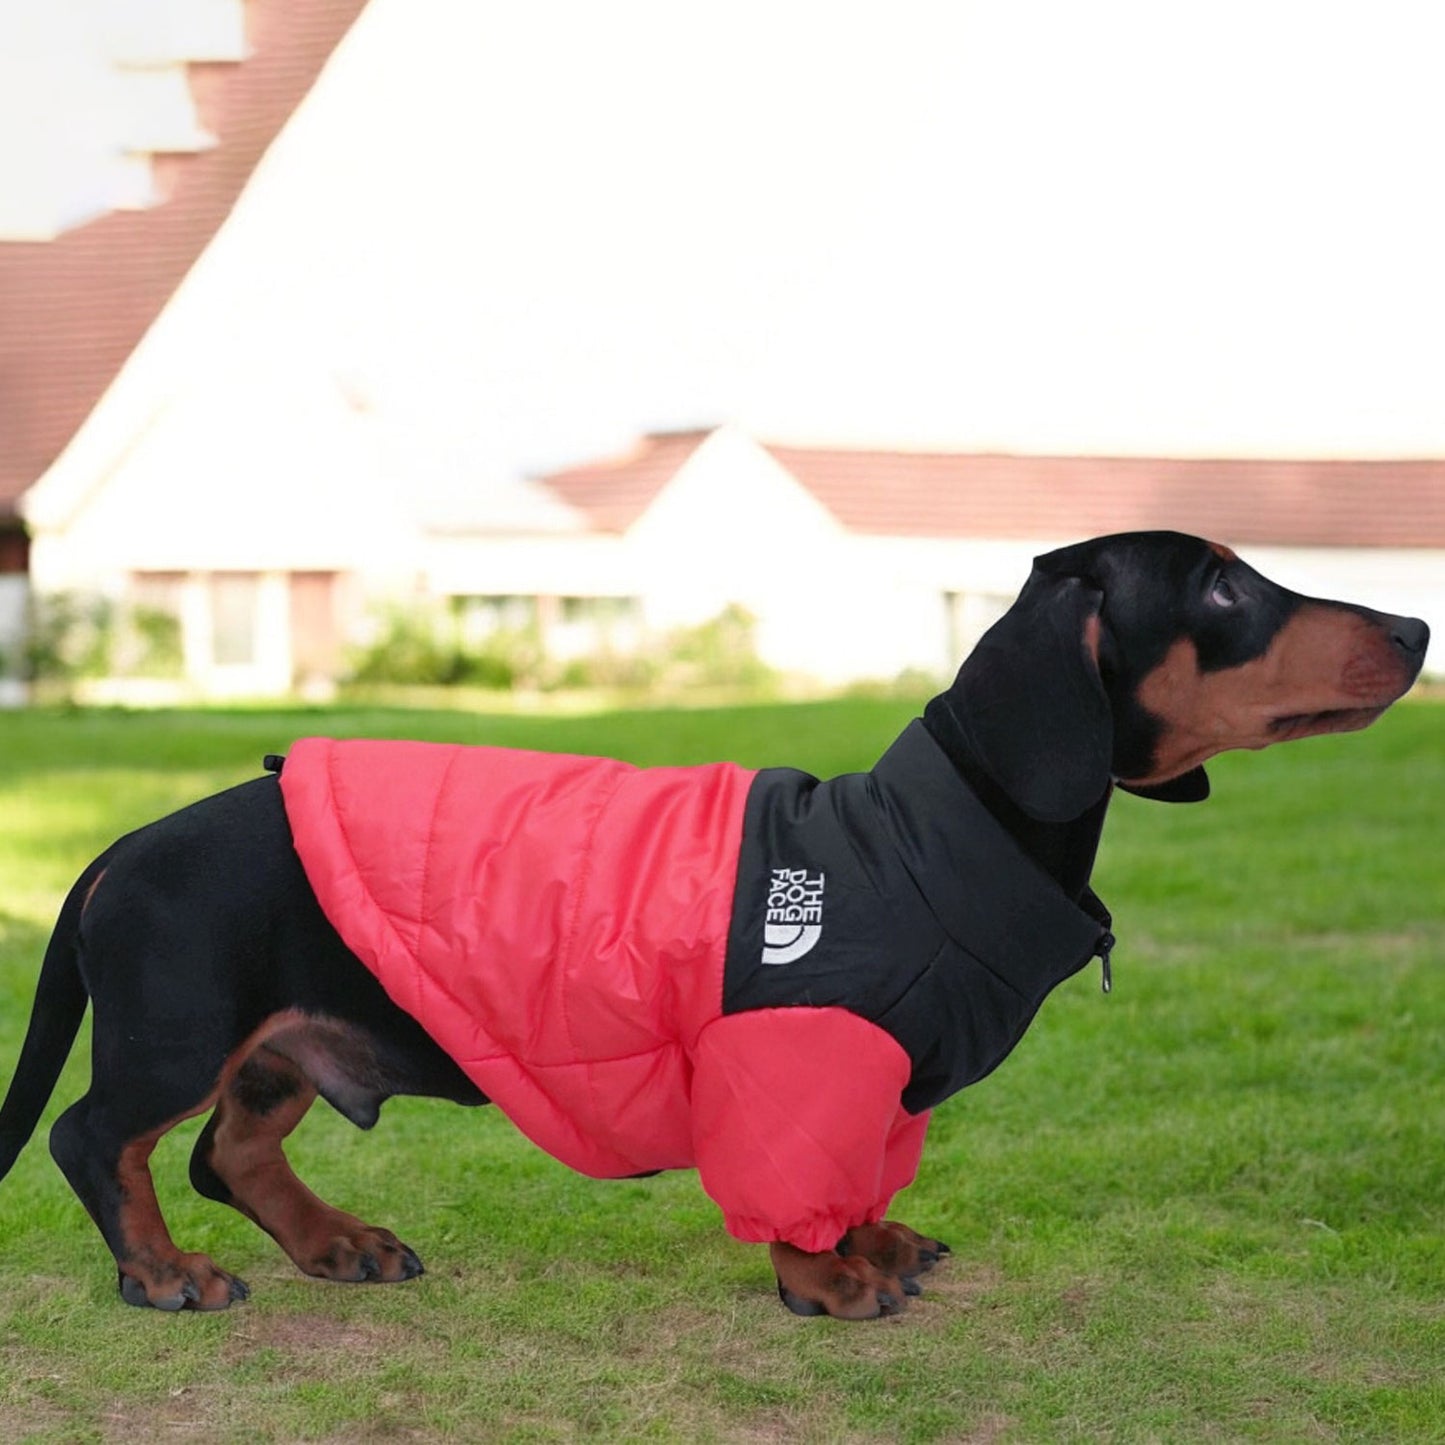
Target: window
967,616
602,612
234,597
479,617
587,625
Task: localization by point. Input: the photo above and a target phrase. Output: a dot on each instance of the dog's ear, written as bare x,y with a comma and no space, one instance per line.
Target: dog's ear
1032,705
1190,787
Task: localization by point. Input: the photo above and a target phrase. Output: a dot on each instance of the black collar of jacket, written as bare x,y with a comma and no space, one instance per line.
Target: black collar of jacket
987,894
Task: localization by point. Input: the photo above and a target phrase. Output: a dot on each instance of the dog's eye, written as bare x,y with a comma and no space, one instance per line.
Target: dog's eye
1222,594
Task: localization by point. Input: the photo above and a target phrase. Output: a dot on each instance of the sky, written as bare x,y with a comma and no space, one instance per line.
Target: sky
529,232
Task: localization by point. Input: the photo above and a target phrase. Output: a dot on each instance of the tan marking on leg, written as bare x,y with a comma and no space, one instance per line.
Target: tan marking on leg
161,1274
247,1155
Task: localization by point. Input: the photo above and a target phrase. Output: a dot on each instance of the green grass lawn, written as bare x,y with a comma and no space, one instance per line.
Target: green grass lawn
1208,1207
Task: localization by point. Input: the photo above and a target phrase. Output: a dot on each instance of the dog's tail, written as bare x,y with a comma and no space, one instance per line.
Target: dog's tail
60,1000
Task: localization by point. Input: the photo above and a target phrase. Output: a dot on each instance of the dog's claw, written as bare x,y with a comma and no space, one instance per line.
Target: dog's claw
798,1304
364,1255
133,1292
191,1294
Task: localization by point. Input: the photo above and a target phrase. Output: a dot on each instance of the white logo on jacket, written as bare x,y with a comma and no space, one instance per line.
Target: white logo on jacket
794,920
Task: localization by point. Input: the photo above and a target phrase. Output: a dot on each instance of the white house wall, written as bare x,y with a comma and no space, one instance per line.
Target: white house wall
735,526
910,579
732,526
529,565
239,474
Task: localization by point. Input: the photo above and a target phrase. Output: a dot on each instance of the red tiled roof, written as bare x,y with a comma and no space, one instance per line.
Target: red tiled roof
957,494
1301,503
613,493
73,309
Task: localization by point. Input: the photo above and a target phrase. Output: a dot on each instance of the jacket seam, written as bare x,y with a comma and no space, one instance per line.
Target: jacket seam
579,893
382,915
426,866
530,1063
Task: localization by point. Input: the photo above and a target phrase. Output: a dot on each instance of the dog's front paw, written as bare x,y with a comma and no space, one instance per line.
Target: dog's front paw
895,1249
829,1284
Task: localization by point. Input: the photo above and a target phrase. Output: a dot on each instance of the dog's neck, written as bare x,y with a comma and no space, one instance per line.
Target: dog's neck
1065,851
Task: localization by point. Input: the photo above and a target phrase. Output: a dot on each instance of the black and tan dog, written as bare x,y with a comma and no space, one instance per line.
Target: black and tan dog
879,941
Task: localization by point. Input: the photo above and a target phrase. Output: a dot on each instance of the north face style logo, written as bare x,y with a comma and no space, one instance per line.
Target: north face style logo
794,920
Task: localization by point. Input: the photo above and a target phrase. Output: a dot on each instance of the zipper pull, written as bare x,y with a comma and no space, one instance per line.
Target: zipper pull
1104,948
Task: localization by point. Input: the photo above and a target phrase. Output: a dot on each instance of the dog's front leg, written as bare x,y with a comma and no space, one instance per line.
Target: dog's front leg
846,1287
799,1128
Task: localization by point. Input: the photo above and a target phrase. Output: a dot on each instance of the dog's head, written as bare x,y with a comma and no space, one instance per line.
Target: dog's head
1136,657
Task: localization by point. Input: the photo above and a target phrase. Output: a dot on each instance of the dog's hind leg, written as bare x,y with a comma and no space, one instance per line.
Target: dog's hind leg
239,1160
158,1048
106,1158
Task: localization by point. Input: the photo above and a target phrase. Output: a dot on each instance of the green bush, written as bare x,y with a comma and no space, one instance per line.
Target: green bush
419,647
611,671
721,652
74,635
70,636
424,646
156,639
406,650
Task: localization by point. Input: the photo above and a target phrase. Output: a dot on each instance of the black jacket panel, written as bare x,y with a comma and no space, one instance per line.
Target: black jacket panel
897,895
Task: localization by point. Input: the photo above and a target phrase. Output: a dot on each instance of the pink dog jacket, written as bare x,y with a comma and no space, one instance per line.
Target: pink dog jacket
560,926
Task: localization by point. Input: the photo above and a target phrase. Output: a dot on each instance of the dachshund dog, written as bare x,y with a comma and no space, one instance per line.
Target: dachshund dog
766,977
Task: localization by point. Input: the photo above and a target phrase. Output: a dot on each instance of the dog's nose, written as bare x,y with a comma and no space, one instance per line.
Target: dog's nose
1410,635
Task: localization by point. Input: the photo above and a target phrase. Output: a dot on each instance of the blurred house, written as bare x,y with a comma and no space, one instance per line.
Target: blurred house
186,434
860,563
855,564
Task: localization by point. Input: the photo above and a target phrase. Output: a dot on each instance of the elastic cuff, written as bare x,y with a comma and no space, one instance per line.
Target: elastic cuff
814,1235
